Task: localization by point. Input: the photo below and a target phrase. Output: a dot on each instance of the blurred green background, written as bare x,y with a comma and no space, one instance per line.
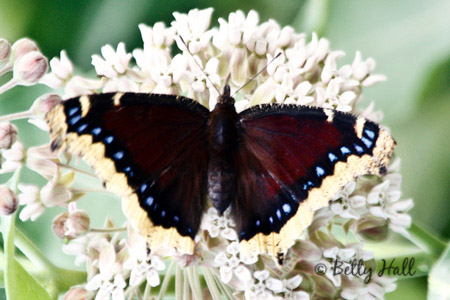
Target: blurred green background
409,39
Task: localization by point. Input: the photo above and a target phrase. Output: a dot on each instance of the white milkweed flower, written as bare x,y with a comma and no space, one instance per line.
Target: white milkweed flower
109,282
347,205
14,158
140,262
384,201
230,263
62,69
30,197
289,289
263,286
113,63
219,225
193,29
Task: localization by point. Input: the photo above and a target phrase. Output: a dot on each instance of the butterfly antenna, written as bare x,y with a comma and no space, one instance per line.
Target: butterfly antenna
257,74
198,65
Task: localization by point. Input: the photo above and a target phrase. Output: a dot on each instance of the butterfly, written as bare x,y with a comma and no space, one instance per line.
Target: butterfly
272,165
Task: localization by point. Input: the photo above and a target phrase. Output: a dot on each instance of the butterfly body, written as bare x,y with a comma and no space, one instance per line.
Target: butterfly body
273,165
223,142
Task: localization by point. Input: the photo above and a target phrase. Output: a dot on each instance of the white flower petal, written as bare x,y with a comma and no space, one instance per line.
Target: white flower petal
225,274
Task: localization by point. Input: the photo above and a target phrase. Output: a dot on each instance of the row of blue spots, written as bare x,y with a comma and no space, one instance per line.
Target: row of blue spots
160,217
75,119
368,138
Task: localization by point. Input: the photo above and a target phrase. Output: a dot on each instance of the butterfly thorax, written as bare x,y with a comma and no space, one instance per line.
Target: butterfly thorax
223,141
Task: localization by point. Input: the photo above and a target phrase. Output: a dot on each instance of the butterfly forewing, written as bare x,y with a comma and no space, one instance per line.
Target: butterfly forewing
290,161
149,148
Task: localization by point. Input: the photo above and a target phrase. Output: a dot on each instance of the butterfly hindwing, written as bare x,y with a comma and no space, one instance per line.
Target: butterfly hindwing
146,148
291,160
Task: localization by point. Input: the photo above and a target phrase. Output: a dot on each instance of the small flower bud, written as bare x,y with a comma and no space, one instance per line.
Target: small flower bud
375,229
44,104
22,47
71,224
58,225
5,51
8,135
29,68
8,201
77,223
76,293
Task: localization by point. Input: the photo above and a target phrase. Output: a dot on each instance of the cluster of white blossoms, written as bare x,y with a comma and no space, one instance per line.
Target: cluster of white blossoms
307,72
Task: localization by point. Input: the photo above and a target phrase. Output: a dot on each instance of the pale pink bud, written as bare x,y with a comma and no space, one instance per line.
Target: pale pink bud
29,68
77,223
8,201
5,50
8,135
22,47
45,103
76,293
71,224
58,225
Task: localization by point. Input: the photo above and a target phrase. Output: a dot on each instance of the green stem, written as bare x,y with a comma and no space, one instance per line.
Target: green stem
8,242
107,230
426,241
32,252
63,278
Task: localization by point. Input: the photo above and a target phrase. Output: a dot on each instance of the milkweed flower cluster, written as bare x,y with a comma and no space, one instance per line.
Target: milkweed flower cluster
307,72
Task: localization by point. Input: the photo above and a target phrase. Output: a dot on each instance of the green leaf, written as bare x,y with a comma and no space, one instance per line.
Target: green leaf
438,280
19,284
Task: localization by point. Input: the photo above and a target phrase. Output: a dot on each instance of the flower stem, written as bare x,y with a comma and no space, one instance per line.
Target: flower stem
178,283
32,252
147,291
195,286
16,116
63,278
426,241
166,280
212,286
107,230
9,85
75,169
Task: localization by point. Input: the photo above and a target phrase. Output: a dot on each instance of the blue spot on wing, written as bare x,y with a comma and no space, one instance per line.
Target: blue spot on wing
81,128
332,157
367,142
74,120
118,155
286,208
73,111
149,200
109,139
345,150
369,133
278,212
96,131
319,171
358,148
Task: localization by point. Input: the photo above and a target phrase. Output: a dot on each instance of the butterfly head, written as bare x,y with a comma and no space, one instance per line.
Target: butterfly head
226,98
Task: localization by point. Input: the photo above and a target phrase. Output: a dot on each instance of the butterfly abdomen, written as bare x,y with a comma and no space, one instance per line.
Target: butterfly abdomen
222,141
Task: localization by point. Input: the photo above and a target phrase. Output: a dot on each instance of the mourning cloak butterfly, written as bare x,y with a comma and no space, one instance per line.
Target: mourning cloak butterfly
273,164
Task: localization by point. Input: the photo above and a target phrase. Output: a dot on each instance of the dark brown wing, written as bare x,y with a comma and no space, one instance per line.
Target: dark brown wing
151,149
290,161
